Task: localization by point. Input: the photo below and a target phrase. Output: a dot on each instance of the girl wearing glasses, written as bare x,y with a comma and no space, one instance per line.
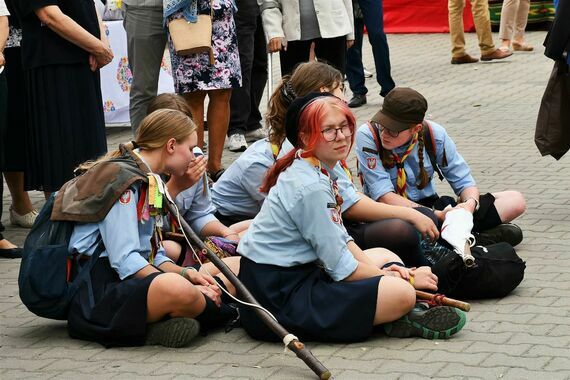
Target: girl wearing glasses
236,194
298,259
395,168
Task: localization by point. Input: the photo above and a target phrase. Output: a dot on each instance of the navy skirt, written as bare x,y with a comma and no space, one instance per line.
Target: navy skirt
308,303
118,316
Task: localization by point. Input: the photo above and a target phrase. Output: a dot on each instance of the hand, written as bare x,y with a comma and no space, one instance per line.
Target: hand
275,45
441,214
349,43
103,55
92,63
468,205
193,174
425,226
2,59
424,278
232,236
211,293
399,271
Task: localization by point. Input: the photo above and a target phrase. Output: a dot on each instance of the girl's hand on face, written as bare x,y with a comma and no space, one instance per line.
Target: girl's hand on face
425,226
424,278
193,174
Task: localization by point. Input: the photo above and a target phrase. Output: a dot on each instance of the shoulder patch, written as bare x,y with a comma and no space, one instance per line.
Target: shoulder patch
335,216
371,162
125,198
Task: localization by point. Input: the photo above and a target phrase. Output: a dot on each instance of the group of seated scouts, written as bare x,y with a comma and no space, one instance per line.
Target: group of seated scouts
329,262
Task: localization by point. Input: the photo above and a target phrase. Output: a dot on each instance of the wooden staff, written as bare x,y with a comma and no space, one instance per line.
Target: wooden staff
294,345
442,300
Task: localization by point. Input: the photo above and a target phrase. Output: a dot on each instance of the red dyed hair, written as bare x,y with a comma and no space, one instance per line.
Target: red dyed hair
309,130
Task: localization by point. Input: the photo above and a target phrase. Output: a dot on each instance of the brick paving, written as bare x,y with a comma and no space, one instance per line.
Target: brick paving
490,110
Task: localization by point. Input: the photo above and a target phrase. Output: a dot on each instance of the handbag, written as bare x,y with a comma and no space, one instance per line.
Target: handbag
193,37
552,134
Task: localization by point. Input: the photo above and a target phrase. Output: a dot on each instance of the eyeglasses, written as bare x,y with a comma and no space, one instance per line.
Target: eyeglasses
330,134
382,129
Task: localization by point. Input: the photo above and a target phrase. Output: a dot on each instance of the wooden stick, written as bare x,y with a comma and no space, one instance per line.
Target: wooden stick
296,346
444,300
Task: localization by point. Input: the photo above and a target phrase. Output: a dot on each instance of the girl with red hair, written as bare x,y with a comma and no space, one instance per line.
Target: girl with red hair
299,261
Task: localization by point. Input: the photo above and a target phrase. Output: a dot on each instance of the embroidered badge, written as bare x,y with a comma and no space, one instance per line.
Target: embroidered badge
125,198
371,163
335,216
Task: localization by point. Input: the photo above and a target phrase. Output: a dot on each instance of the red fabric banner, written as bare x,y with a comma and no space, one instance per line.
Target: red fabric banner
415,16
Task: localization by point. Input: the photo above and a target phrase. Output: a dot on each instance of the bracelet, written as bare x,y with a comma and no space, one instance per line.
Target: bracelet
185,269
411,280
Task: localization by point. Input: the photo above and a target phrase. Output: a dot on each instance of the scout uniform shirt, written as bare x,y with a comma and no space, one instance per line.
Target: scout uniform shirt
300,223
378,180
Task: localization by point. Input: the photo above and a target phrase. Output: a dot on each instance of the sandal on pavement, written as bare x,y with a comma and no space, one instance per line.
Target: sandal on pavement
517,46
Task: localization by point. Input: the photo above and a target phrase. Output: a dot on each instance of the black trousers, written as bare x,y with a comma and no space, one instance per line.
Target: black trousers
244,103
327,50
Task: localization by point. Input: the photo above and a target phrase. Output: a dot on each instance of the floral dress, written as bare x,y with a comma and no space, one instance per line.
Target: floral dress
194,72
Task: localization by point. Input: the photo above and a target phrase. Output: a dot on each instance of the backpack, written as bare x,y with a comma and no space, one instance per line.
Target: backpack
45,283
498,270
429,144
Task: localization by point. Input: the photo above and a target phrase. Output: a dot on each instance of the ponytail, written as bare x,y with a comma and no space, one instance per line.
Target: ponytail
273,173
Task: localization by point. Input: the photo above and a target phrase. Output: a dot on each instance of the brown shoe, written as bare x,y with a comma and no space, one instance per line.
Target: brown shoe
463,59
497,54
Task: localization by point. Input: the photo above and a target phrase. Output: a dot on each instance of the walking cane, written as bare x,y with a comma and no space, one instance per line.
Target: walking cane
290,340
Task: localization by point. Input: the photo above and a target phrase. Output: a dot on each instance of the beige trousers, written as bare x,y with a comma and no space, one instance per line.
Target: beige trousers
514,16
480,10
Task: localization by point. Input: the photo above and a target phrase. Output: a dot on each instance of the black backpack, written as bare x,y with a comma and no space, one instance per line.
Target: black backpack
498,270
45,283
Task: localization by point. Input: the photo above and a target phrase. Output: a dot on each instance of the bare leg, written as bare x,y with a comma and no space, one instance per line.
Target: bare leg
173,249
218,120
395,299
509,204
21,202
382,256
195,101
232,262
171,295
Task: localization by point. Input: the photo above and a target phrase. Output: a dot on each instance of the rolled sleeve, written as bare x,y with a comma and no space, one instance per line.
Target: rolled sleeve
120,234
196,207
376,180
457,172
161,258
315,223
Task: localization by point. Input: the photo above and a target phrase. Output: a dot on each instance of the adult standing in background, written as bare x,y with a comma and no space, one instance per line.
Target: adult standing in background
22,212
146,41
245,118
371,14
7,249
514,16
480,11
291,26
63,47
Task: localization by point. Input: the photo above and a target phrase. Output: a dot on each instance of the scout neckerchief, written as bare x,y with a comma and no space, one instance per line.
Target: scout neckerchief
344,167
150,204
312,160
401,182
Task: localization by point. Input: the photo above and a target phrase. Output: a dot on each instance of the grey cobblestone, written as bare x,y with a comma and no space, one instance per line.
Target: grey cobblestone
490,111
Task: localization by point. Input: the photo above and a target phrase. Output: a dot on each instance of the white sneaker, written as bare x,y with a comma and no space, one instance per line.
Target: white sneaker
256,134
237,143
26,220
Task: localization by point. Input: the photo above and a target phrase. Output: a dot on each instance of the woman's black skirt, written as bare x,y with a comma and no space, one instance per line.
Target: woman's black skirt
65,120
119,314
14,133
308,303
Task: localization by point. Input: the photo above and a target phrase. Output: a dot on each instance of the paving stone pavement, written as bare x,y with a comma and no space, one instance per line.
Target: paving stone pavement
490,110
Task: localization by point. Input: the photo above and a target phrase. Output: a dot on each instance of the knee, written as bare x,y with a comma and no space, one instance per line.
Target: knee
519,202
178,291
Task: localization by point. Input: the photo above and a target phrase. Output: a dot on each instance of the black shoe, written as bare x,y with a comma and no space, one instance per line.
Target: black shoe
507,232
357,101
175,332
11,253
438,322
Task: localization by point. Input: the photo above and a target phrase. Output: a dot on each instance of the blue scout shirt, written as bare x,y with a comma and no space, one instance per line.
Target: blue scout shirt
237,191
195,206
379,181
127,241
298,224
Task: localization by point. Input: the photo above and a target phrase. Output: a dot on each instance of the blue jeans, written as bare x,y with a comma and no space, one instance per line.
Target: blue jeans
374,21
